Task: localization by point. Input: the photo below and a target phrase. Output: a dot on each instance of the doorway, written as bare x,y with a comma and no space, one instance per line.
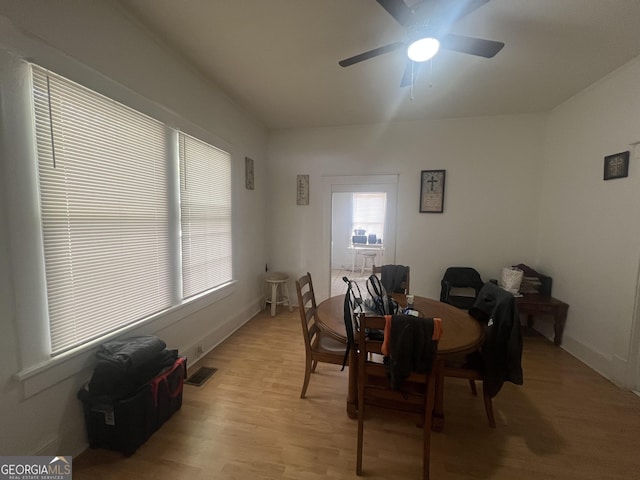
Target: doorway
338,225
633,368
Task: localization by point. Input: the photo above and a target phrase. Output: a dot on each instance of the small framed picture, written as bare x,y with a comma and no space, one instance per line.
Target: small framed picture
432,191
248,173
302,190
616,166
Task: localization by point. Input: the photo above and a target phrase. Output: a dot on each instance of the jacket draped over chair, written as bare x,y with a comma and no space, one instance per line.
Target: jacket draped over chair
394,278
410,345
501,351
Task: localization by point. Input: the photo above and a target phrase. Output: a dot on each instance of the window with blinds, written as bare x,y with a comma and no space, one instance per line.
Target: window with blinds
205,212
103,172
369,210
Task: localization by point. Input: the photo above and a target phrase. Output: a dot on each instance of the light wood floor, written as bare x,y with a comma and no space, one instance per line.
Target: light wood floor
248,422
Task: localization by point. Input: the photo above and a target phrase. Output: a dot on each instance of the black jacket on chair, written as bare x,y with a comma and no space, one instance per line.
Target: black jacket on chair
411,348
501,350
392,278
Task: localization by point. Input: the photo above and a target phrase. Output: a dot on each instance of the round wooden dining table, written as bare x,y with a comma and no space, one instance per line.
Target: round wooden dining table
461,334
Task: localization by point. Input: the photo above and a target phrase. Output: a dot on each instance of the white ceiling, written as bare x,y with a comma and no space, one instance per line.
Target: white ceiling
279,58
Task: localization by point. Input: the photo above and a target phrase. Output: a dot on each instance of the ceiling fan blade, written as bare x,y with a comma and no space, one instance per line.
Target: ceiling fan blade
370,54
411,72
398,10
471,45
469,6
418,12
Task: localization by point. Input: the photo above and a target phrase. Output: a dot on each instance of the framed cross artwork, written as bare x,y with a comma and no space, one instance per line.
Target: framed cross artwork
432,191
616,166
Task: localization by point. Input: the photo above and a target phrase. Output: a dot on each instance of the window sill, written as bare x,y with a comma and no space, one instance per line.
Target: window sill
41,376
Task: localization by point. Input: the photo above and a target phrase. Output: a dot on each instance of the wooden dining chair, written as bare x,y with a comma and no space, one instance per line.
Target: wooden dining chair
416,394
321,345
473,374
389,278
499,358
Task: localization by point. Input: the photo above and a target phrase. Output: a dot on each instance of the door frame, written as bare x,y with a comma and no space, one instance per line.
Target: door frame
358,183
633,366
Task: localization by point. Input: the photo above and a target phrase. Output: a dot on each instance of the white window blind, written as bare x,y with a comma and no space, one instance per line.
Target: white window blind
369,211
103,186
205,197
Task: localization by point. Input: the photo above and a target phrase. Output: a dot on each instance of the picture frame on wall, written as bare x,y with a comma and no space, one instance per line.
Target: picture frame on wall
432,191
616,165
302,190
249,181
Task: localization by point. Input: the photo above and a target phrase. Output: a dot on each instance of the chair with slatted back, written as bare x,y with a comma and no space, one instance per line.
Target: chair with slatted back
394,278
320,345
416,394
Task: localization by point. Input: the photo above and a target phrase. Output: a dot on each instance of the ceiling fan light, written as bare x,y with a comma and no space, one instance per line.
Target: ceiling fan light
423,49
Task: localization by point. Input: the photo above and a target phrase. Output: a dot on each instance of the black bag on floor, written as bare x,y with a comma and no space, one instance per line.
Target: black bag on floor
124,365
124,423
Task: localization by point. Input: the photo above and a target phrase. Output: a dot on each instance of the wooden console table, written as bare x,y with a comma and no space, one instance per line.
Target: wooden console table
532,305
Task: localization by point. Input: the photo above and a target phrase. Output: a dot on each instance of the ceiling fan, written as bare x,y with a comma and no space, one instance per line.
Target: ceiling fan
427,23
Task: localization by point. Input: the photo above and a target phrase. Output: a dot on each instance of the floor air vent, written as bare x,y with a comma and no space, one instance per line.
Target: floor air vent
201,376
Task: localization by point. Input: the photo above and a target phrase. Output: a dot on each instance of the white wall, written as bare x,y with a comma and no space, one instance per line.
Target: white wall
494,168
589,228
96,44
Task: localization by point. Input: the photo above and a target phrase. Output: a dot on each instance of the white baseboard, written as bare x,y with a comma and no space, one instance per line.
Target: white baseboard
595,360
72,441
611,367
214,337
